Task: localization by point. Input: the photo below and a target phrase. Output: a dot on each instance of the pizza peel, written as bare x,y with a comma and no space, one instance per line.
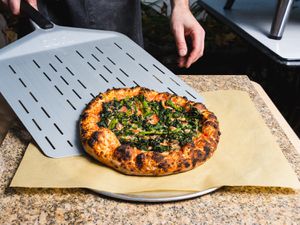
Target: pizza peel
49,76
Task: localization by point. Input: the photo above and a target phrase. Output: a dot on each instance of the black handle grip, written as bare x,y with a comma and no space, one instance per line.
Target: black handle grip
33,14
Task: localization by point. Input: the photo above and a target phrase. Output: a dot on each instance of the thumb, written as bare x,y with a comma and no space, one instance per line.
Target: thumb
180,41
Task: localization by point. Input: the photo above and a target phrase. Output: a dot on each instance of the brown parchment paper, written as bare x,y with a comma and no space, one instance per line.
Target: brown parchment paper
247,155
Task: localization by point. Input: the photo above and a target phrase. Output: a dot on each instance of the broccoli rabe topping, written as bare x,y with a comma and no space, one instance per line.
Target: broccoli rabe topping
151,125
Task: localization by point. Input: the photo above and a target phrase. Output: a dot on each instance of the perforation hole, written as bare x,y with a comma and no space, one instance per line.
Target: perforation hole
22,82
157,78
107,69
59,130
48,78
36,124
190,94
34,98
143,67
23,106
91,66
52,67
59,91
172,91
70,71
130,56
118,45
158,69
50,143
99,50
95,58
111,60
46,113
58,59
69,142
73,107
120,81
12,69
64,80
103,77
124,72
174,81
78,53
136,83
81,84
37,65
76,94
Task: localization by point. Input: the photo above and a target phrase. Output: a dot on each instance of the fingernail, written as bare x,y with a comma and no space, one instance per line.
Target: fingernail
182,52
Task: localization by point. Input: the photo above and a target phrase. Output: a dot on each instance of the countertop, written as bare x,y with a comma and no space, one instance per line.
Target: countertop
229,205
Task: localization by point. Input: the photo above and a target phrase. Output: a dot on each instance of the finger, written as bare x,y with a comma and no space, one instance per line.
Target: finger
33,3
196,51
14,6
181,62
180,40
202,44
201,48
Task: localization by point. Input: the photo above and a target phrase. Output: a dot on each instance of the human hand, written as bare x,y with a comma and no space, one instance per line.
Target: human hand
14,5
184,24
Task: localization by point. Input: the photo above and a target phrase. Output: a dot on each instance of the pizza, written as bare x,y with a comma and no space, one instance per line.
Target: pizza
138,131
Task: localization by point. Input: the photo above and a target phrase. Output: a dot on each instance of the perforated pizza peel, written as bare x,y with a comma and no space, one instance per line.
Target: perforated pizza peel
50,75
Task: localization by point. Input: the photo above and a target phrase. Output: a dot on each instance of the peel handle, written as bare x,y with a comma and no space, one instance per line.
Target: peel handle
35,16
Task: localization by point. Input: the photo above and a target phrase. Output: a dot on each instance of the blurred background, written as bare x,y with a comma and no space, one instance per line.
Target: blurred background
225,54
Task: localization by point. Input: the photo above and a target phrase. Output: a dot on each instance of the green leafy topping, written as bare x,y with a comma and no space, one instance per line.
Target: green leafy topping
151,125
113,123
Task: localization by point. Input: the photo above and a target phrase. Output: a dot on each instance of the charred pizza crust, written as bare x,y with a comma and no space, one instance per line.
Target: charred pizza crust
104,146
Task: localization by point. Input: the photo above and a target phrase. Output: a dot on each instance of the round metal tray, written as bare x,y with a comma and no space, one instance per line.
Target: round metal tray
161,196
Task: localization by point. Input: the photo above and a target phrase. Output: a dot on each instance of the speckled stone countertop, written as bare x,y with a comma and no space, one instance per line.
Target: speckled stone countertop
229,205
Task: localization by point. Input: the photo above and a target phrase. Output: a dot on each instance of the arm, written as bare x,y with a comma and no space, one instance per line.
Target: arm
14,5
184,24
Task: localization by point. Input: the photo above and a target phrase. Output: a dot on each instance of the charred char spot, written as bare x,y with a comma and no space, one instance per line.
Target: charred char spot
163,165
140,160
207,150
212,116
179,165
123,152
199,154
186,164
92,142
93,139
95,135
195,162
84,115
157,157
83,131
88,107
210,123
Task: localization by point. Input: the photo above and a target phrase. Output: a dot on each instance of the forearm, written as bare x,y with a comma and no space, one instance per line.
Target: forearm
180,3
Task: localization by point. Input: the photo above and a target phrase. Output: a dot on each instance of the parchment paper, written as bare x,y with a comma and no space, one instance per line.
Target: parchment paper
247,155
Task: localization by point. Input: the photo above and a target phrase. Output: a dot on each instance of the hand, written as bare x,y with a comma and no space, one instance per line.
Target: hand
184,24
14,5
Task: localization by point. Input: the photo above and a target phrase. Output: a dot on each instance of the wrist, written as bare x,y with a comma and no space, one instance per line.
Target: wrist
180,4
